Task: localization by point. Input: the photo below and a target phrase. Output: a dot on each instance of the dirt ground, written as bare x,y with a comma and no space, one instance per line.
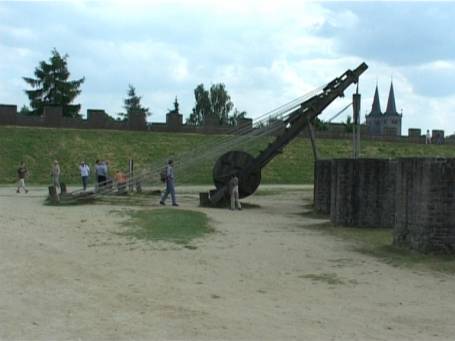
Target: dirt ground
66,274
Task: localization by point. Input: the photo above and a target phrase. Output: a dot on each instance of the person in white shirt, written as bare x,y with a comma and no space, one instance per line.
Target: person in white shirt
428,138
85,172
234,192
55,175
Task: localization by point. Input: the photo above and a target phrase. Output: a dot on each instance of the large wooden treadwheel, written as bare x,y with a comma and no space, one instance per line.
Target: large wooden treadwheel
234,162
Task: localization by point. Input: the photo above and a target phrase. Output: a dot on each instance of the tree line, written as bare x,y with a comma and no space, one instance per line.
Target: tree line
51,86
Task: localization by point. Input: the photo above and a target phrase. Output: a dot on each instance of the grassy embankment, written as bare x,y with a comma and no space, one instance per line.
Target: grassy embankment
38,147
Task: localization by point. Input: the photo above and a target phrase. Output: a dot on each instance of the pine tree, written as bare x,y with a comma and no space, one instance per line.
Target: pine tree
51,86
25,111
132,103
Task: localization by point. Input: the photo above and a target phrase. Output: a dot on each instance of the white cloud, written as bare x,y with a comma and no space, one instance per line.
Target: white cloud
439,65
266,52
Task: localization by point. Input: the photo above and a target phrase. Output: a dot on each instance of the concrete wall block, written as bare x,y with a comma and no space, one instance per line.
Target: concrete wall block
426,205
363,192
343,195
322,187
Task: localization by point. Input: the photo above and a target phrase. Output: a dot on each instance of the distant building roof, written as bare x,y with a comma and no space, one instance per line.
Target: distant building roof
376,107
391,107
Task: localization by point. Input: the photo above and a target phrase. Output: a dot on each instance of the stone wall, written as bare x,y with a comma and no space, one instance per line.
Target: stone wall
174,121
99,119
30,121
52,116
96,118
362,192
8,114
245,125
322,181
414,132
425,204
437,136
136,121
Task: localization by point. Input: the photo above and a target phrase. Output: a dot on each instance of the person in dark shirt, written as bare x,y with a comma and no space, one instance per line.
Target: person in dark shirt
22,172
170,184
101,174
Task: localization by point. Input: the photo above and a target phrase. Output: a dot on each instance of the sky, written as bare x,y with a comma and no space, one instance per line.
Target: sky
267,53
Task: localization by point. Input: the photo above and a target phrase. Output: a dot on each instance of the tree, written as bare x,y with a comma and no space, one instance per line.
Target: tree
52,86
25,111
215,105
220,102
132,104
202,109
320,124
234,119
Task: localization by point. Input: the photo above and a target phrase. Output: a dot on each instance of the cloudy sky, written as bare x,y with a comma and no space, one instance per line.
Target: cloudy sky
265,52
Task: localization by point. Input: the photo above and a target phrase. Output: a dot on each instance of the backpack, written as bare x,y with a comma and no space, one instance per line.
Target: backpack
163,174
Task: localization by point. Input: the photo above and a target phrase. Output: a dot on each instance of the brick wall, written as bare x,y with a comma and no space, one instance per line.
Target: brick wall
99,119
52,116
8,114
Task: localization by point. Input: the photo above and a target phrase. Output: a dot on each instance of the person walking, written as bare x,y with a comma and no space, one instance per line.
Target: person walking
169,179
234,192
55,175
428,138
85,173
22,172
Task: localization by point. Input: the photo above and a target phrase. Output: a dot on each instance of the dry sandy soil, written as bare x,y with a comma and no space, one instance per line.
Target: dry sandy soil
66,274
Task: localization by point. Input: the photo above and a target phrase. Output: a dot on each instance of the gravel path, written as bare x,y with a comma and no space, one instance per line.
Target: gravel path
66,274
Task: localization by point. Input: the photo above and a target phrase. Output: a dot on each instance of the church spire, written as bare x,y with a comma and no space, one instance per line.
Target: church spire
376,107
391,108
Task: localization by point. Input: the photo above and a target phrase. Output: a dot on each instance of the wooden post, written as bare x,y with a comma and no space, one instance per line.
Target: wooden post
53,195
313,142
62,188
356,124
131,175
138,186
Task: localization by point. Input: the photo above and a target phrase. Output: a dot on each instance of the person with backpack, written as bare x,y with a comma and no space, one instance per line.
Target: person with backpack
168,177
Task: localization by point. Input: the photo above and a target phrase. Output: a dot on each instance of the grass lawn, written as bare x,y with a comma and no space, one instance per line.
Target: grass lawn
171,225
377,242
